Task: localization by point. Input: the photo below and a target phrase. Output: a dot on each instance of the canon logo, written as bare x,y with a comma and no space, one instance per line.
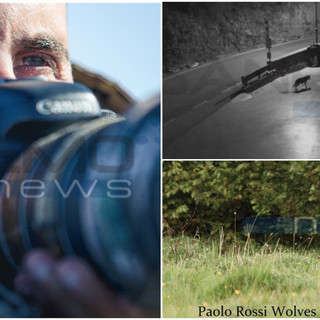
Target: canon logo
48,106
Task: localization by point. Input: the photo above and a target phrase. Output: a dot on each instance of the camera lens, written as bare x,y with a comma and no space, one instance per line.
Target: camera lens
92,189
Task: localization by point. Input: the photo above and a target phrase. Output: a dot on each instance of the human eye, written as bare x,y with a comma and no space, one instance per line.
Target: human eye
35,64
34,61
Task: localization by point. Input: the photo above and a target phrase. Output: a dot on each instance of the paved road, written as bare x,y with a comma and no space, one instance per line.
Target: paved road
190,97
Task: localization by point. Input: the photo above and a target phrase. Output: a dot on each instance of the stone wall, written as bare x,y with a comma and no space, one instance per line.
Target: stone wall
199,32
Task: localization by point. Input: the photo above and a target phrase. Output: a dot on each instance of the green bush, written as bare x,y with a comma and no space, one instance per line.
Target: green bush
204,196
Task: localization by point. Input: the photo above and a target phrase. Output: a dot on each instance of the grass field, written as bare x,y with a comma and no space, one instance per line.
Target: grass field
213,275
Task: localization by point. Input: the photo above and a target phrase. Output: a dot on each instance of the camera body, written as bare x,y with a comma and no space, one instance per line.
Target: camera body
32,108
79,183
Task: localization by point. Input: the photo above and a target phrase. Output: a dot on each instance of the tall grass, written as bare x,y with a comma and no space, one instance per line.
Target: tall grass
212,273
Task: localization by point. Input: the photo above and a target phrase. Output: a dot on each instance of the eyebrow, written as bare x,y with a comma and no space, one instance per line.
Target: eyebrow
44,41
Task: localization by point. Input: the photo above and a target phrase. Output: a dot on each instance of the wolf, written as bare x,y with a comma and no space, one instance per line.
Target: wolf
302,80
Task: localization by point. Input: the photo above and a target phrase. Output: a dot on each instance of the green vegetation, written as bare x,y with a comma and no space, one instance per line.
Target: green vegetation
208,262
203,196
200,32
199,272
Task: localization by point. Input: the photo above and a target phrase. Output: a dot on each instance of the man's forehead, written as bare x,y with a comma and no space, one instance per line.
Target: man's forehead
31,19
30,9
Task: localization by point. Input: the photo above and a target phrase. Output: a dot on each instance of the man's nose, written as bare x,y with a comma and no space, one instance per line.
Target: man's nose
6,74
6,68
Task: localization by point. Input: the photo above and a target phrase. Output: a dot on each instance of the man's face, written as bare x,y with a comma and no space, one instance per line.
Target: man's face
34,41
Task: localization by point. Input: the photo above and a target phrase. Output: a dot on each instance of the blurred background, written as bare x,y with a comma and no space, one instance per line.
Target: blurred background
115,49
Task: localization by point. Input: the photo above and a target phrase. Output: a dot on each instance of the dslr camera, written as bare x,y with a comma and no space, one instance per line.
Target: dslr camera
79,181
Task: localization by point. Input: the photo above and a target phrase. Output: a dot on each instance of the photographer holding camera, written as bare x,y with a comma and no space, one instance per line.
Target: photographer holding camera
34,42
